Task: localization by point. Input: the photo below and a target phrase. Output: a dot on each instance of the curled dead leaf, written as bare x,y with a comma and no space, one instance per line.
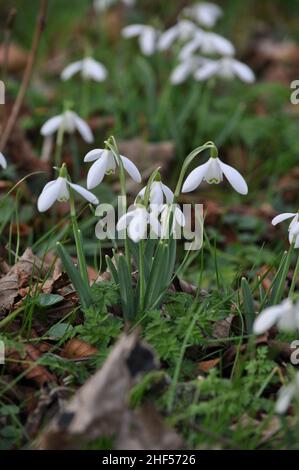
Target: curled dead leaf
78,349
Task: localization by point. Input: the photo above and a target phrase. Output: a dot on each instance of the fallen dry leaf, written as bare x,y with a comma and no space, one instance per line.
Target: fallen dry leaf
77,349
205,366
17,57
35,372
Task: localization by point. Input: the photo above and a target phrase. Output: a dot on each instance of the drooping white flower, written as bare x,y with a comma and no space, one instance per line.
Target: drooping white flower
212,172
226,67
178,220
102,5
285,315
158,192
207,43
205,13
88,67
293,227
286,395
3,162
58,190
70,122
186,68
106,163
137,221
182,30
148,37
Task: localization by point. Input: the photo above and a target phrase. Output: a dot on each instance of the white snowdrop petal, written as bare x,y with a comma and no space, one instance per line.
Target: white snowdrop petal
93,155
83,129
132,30
206,70
266,319
97,172
179,216
181,72
95,70
168,193
194,179
89,196
3,162
131,168
281,217
52,125
147,41
243,71
124,221
234,177
71,70
221,45
49,195
138,225
286,394
167,38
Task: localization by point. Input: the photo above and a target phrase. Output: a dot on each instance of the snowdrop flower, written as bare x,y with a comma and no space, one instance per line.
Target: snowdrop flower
286,395
102,5
207,43
148,36
182,30
178,220
186,68
285,315
70,122
227,67
137,221
205,13
212,172
158,192
88,67
58,190
293,227
3,161
106,163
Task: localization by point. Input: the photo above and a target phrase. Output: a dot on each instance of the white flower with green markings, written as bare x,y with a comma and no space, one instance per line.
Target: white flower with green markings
227,68
205,13
105,163
293,227
137,221
212,172
286,394
158,193
147,37
285,316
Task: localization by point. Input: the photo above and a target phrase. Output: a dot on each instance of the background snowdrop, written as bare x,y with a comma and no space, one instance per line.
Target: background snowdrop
68,122
3,162
207,43
58,190
148,37
102,5
205,13
105,163
185,68
181,31
227,68
212,172
285,315
89,68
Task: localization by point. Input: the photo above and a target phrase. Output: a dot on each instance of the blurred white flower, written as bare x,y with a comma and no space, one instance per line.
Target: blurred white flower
70,122
137,220
293,227
3,161
205,13
88,67
286,395
227,68
212,172
178,220
207,43
158,192
148,37
186,68
106,163
182,30
285,315
102,5
58,190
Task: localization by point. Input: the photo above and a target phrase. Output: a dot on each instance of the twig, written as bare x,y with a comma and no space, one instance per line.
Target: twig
40,24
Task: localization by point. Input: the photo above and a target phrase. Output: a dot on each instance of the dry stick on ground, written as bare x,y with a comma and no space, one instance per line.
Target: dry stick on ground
6,44
40,24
